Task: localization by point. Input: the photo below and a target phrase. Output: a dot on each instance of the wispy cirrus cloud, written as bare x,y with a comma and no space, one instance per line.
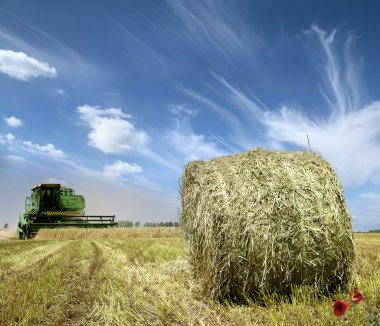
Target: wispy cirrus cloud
349,142
23,67
14,159
149,58
183,139
215,24
339,71
348,136
370,195
238,132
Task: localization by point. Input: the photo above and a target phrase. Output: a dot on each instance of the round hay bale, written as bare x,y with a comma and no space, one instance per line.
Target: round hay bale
264,221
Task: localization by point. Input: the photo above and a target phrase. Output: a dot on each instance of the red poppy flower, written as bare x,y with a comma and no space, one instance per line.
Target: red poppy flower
340,308
357,297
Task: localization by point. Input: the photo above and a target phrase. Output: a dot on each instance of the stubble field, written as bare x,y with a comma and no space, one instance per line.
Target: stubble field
147,281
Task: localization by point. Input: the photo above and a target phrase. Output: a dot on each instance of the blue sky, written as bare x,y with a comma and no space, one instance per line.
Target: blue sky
114,98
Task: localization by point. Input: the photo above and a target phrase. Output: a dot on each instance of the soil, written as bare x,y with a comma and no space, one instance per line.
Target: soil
8,234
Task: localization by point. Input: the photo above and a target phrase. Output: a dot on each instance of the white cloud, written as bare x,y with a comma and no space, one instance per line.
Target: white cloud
349,142
192,146
55,180
90,113
13,122
15,158
240,132
348,137
110,131
20,66
10,137
365,207
341,87
61,92
370,195
18,145
252,108
181,109
48,149
185,141
142,181
120,168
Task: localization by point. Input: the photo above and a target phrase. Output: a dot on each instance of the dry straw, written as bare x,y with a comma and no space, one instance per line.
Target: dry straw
119,233
264,222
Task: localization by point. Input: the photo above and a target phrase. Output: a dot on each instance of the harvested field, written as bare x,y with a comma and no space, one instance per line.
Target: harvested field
119,233
147,281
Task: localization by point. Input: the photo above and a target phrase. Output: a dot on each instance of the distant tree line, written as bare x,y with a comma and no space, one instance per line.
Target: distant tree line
130,224
374,231
161,224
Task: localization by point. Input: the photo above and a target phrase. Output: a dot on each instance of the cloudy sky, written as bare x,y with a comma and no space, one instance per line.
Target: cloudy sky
114,98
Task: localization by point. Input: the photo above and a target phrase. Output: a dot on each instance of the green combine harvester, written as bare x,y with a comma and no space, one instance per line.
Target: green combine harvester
53,206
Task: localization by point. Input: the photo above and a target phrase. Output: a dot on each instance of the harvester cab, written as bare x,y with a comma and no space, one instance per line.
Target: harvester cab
55,206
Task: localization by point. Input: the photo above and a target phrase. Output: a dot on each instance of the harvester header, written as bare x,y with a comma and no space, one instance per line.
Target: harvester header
54,206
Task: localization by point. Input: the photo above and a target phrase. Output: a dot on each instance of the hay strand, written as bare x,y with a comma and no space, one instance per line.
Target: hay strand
264,222
119,233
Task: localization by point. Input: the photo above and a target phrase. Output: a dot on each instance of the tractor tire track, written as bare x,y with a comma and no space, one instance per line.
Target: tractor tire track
25,294
81,292
19,271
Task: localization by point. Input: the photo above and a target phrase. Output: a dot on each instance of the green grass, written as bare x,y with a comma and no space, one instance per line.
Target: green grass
148,282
